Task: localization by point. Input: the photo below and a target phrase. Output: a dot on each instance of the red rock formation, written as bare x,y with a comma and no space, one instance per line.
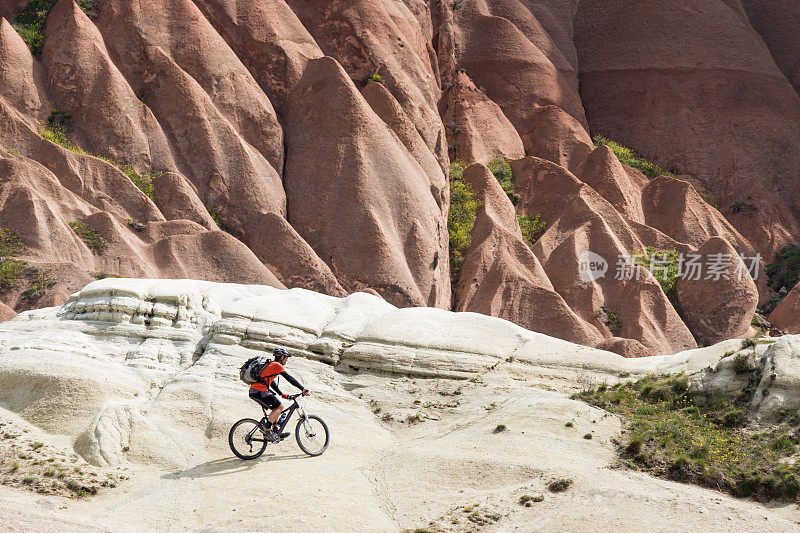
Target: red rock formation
622,186
183,34
334,131
477,127
502,277
645,91
778,22
79,70
580,220
786,317
716,308
382,38
257,111
551,133
20,76
6,313
176,198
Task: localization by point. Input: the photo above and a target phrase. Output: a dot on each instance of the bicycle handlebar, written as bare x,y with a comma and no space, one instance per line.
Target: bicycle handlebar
293,396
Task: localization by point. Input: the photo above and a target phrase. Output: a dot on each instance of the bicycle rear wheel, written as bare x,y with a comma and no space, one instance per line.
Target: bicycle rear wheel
246,439
312,435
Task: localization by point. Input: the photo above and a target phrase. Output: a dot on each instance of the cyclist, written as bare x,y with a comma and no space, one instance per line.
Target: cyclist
261,394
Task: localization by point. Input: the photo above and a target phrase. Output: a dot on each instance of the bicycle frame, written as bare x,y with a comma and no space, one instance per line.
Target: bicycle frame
296,406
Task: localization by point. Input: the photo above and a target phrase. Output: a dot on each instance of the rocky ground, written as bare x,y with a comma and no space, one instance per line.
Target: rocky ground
439,420
315,145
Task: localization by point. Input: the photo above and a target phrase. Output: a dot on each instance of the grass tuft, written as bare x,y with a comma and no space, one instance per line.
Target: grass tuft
629,157
90,236
56,132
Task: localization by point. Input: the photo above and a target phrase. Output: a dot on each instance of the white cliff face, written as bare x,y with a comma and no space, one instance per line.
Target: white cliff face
142,361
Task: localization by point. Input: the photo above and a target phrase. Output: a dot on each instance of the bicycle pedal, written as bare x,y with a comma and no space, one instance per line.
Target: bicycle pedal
284,435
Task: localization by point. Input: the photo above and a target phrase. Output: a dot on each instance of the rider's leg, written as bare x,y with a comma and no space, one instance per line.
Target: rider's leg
275,413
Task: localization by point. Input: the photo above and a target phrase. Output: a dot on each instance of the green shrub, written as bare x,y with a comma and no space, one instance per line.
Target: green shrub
559,485
628,157
501,168
136,225
373,78
90,236
631,158
532,228
665,267
460,219
104,275
30,22
144,180
785,270
610,319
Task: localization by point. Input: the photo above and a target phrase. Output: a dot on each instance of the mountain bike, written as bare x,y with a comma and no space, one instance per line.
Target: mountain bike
248,439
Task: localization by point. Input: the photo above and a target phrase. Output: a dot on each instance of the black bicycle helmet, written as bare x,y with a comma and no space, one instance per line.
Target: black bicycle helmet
280,352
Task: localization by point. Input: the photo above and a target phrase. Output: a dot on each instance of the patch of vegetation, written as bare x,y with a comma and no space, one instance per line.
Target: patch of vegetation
373,78
559,485
671,436
501,168
31,21
741,206
785,270
532,228
629,157
90,236
11,271
526,499
499,428
56,132
10,243
610,319
40,282
460,219
588,436
569,425
135,224
664,265
104,275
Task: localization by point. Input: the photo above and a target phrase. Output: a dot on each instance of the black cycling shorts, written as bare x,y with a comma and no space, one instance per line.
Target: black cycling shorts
266,399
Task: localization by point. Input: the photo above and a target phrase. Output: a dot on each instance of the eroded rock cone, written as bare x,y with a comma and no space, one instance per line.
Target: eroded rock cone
6,313
622,186
717,305
477,126
786,317
502,277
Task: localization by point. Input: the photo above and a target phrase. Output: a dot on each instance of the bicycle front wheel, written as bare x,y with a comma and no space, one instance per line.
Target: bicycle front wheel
312,435
246,439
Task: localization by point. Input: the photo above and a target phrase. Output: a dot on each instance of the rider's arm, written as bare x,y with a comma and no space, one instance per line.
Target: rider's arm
291,380
274,387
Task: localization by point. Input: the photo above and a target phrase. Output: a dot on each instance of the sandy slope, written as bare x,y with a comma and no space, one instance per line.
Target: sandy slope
386,476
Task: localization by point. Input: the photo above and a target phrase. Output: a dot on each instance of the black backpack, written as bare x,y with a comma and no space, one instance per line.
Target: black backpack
250,370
